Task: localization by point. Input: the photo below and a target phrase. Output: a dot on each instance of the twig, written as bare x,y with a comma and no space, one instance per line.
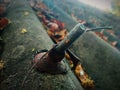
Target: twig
32,68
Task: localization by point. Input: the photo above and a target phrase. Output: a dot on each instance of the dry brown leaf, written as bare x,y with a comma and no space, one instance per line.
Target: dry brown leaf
1,65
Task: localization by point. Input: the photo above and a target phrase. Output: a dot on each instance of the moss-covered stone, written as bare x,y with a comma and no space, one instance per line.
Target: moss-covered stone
100,60
19,49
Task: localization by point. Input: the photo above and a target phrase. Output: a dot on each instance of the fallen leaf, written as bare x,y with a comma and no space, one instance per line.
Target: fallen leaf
1,65
3,23
33,49
23,30
26,13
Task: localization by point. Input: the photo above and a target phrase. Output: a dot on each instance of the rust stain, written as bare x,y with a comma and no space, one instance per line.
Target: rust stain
67,41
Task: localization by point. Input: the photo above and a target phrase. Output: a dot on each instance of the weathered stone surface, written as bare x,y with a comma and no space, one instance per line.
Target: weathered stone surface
24,34
101,61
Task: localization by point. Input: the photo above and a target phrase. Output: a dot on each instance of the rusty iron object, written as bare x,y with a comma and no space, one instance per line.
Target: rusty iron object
51,61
